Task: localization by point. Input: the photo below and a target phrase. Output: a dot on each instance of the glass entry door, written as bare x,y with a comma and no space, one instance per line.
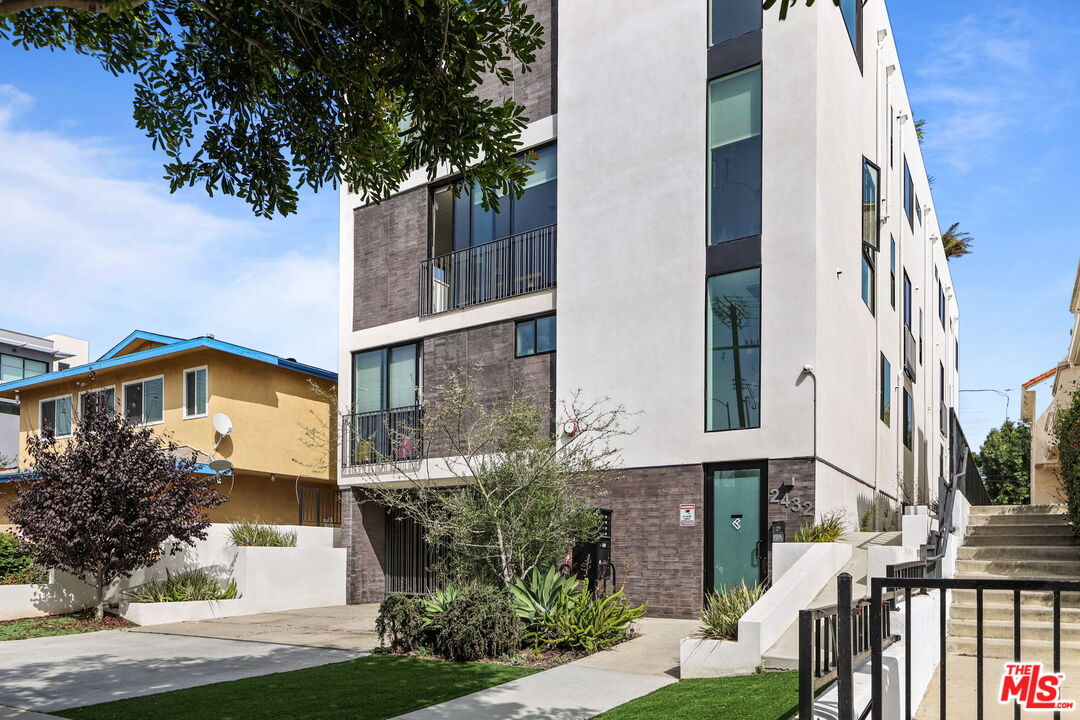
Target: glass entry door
736,538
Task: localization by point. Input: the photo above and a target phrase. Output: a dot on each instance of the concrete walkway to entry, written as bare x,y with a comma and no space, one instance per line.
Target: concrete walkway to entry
581,689
54,673
343,627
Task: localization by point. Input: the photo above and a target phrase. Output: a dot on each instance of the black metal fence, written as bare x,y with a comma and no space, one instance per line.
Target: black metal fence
881,589
382,436
319,506
511,266
413,564
965,471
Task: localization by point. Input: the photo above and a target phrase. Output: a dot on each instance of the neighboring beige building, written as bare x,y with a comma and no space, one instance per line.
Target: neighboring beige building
1045,483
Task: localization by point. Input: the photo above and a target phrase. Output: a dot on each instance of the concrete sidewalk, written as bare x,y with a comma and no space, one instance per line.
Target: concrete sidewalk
580,689
343,627
55,673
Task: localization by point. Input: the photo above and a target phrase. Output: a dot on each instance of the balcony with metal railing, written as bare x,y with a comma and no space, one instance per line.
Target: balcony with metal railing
511,266
382,437
911,354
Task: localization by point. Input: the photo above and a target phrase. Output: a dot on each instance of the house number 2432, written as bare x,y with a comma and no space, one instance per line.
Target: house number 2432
794,504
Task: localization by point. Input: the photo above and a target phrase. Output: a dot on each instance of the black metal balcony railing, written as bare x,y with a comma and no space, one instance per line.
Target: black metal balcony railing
382,436
514,265
910,354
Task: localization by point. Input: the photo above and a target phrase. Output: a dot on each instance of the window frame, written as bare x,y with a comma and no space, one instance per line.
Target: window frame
908,428
892,270
23,361
941,302
941,397
885,375
385,378
712,42
41,416
908,300
870,248
909,195
857,40
123,406
533,320
206,399
759,67
708,354
83,393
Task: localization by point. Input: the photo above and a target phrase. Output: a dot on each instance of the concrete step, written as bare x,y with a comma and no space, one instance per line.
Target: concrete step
1017,510
1029,612
1020,519
1004,598
1021,553
1041,569
1041,650
1003,630
779,662
1012,539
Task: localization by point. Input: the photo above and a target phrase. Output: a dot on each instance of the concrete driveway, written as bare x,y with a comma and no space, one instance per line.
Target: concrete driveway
68,671
343,627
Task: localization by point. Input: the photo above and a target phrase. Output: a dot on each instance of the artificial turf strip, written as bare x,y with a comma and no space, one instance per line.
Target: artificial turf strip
768,696
371,688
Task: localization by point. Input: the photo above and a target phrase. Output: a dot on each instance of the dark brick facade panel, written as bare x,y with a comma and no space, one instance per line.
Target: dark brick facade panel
389,243
485,355
363,527
655,559
536,90
800,473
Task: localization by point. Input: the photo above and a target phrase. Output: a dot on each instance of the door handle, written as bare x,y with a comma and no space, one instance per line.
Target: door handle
760,549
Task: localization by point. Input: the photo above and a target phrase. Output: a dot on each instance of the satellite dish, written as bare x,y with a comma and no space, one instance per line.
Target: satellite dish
222,424
220,466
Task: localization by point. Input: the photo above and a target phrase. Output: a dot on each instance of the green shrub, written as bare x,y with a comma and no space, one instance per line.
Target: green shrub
404,621
480,622
830,528
437,602
1066,436
12,559
250,533
536,596
583,620
184,586
720,618
32,574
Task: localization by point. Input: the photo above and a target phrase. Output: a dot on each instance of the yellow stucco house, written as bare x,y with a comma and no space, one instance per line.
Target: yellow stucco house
273,466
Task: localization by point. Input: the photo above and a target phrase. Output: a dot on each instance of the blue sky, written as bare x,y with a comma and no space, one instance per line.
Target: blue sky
99,247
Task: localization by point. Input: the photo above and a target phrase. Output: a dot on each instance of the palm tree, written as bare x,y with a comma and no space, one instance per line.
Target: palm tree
956,242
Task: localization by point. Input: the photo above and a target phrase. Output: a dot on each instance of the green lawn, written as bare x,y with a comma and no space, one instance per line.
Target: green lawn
81,622
370,688
770,696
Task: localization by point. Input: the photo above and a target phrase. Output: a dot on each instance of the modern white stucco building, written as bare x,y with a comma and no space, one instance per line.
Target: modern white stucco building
747,255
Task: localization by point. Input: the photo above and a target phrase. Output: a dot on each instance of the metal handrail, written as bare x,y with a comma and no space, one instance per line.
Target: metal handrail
382,436
510,266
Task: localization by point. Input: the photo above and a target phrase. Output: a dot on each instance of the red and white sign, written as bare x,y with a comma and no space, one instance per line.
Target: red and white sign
1033,689
687,515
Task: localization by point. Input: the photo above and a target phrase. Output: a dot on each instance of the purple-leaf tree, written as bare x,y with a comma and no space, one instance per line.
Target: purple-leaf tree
110,500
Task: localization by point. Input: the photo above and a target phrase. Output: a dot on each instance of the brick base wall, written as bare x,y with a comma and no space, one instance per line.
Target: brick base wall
363,532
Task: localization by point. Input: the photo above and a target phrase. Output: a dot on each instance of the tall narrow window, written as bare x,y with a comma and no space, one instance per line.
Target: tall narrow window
733,340
909,421
56,417
735,156
93,400
909,196
892,271
195,393
385,379
143,401
920,334
871,228
731,18
892,126
941,399
886,391
941,303
907,301
851,10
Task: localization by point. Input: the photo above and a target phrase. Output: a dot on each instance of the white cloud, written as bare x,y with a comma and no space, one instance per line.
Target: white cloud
87,249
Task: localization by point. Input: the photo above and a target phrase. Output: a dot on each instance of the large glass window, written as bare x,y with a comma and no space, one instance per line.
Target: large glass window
460,221
871,229
143,402
195,392
731,18
909,196
851,9
909,421
733,363
735,156
13,367
385,379
535,336
56,417
91,400
886,391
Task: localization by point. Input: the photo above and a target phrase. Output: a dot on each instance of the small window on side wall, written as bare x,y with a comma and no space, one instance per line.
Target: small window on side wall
92,401
144,401
909,421
56,417
886,391
535,336
195,393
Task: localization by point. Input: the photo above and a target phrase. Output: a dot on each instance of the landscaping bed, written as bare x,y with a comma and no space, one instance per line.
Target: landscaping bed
49,625
371,688
766,696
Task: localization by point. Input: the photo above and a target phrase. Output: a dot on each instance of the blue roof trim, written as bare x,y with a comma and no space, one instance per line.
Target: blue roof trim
138,335
13,477
170,349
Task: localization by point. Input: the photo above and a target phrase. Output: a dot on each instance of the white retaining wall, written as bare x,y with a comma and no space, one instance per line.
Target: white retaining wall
62,594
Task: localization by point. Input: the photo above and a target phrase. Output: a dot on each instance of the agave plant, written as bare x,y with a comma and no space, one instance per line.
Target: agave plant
537,595
184,586
723,609
437,602
587,621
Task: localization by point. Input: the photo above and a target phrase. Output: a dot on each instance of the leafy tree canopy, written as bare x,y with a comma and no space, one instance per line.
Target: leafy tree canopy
956,242
1005,462
260,98
110,500
1066,433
